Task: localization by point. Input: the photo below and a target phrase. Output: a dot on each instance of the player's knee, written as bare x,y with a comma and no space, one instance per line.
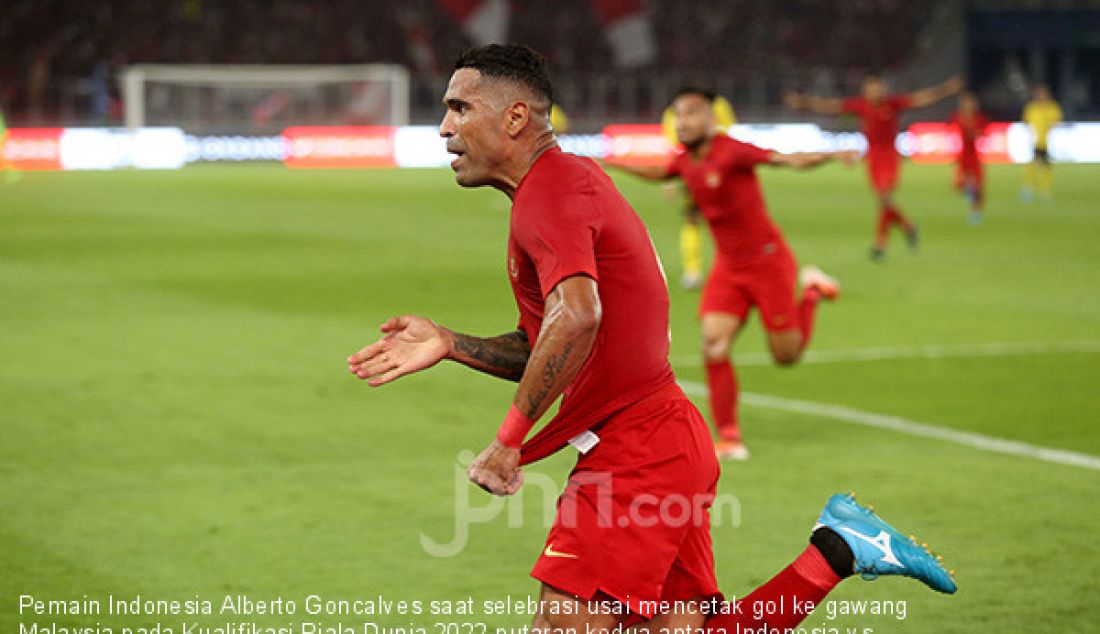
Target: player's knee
786,355
548,622
716,348
542,623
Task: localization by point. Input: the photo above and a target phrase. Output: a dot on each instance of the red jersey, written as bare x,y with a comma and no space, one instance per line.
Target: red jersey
725,187
971,128
879,121
568,219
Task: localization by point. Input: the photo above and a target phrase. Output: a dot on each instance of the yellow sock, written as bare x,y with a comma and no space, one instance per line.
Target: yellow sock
1046,180
691,248
1029,177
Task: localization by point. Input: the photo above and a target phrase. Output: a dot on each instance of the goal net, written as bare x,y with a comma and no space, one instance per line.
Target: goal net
263,99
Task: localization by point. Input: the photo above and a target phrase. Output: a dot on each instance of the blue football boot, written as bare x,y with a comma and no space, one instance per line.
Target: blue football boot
879,549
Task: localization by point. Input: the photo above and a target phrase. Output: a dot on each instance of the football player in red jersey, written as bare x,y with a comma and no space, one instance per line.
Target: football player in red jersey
753,265
632,540
969,176
879,113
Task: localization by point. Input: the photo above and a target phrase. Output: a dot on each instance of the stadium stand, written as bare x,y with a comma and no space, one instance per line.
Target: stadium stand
65,56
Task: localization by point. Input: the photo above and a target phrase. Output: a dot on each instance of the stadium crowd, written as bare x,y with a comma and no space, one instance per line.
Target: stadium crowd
61,58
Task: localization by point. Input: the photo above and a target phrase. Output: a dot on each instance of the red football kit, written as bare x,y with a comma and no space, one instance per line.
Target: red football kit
969,163
880,123
568,219
753,264
753,267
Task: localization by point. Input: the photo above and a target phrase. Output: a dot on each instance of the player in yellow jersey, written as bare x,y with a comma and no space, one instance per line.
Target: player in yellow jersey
3,139
691,235
10,173
1040,114
558,120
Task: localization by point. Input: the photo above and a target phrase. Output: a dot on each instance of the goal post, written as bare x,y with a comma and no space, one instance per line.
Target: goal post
263,98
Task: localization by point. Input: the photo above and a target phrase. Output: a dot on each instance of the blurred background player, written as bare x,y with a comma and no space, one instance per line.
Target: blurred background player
969,176
10,173
558,121
1040,114
753,264
3,141
691,234
879,113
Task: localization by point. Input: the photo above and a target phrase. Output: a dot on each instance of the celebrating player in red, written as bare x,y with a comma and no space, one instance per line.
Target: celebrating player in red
754,266
969,176
593,328
879,113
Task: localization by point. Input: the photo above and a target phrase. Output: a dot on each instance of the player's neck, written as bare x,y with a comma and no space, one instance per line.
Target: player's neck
513,174
702,148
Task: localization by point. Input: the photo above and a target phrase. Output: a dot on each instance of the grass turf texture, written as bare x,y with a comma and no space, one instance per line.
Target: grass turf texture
177,418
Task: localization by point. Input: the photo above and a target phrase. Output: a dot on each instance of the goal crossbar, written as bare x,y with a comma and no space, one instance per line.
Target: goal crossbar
135,77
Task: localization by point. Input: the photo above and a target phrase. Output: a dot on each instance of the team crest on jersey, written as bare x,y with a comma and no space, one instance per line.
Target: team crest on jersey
713,179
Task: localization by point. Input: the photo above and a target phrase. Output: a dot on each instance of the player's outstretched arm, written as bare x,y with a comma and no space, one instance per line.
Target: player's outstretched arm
806,160
928,96
569,328
504,356
820,105
647,172
412,343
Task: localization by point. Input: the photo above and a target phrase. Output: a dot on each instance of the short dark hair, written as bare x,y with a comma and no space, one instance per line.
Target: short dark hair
516,62
705,93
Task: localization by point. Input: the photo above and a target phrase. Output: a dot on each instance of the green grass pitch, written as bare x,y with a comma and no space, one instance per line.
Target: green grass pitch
176,418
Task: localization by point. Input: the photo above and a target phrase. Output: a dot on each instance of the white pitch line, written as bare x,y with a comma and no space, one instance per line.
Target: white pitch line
909,427
912,352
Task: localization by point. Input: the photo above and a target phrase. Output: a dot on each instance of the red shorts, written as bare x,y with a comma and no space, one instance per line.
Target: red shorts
634,520
883,168
769,285
968,171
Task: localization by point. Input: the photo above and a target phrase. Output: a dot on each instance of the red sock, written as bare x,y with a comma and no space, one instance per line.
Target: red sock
807,309
899,218
808,579
722,383
885,219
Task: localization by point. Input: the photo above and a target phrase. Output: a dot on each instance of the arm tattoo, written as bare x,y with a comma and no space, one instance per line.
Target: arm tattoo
550,375
555,364
504,356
